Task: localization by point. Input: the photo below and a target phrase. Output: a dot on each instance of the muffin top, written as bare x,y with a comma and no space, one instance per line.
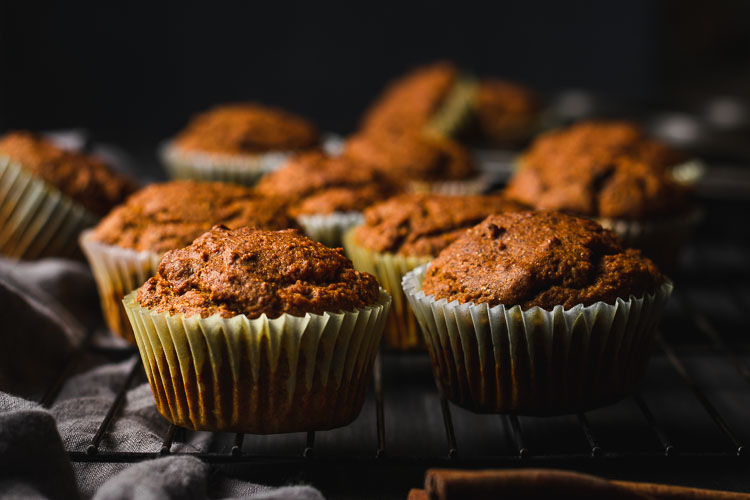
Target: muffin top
540,259
411,155
255,272
84,178
315,183
161,217
247,128
424,224
409,102
504,110
600,169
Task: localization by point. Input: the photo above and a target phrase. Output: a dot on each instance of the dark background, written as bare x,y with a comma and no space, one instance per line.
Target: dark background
133,72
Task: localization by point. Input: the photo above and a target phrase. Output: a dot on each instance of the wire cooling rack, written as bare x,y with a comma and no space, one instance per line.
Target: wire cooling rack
694,340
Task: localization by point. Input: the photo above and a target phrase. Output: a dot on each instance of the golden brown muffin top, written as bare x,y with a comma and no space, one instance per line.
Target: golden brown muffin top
540,259
84,178
161,217
254,272
423,224
411,155
315,183
409,102
247,128
605,169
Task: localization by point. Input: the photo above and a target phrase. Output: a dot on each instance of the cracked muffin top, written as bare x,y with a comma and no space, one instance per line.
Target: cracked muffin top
540,259
409,102
255,272
411,155
162,217
247,128
423,224
315,183
84,178
605,169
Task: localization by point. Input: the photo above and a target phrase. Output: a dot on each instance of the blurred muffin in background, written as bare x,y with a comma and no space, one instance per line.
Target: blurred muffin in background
238,143
424,162
127,245
50,195
435,98
613,172
507,114
327,194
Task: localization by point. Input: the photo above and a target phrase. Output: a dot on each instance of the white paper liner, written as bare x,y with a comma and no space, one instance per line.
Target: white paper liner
240,169
117,272
401,331
244,169
474,185
661,238
36,219
329,229
261,376
498,360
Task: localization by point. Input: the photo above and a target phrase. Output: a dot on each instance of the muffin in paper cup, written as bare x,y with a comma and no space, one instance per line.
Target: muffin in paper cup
117,271
661,239
401,331
329,229
36,219
261,376
536,362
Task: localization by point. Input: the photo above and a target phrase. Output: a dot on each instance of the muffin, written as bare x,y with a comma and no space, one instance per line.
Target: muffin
407,231
435,98
237,143
258,331
537,313
507,114
612,172
326,193
424,163
125,248
49,195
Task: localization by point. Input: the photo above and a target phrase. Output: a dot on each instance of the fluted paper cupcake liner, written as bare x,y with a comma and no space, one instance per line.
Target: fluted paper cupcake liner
456,111
329,229
36,219
401,330
244,169
661,239
261,376
474,185
118,271
539,362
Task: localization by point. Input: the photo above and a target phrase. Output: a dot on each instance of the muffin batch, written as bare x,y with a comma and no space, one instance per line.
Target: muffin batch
250,317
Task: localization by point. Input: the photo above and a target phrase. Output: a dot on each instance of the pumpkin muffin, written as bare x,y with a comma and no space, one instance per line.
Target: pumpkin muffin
126,246
544,313
506,113
327,193
52,195
238,142
613,172
425,163
258,331
407,231
434,98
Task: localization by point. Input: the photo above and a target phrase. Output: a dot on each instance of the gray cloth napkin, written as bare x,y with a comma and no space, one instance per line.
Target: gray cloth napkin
48,309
